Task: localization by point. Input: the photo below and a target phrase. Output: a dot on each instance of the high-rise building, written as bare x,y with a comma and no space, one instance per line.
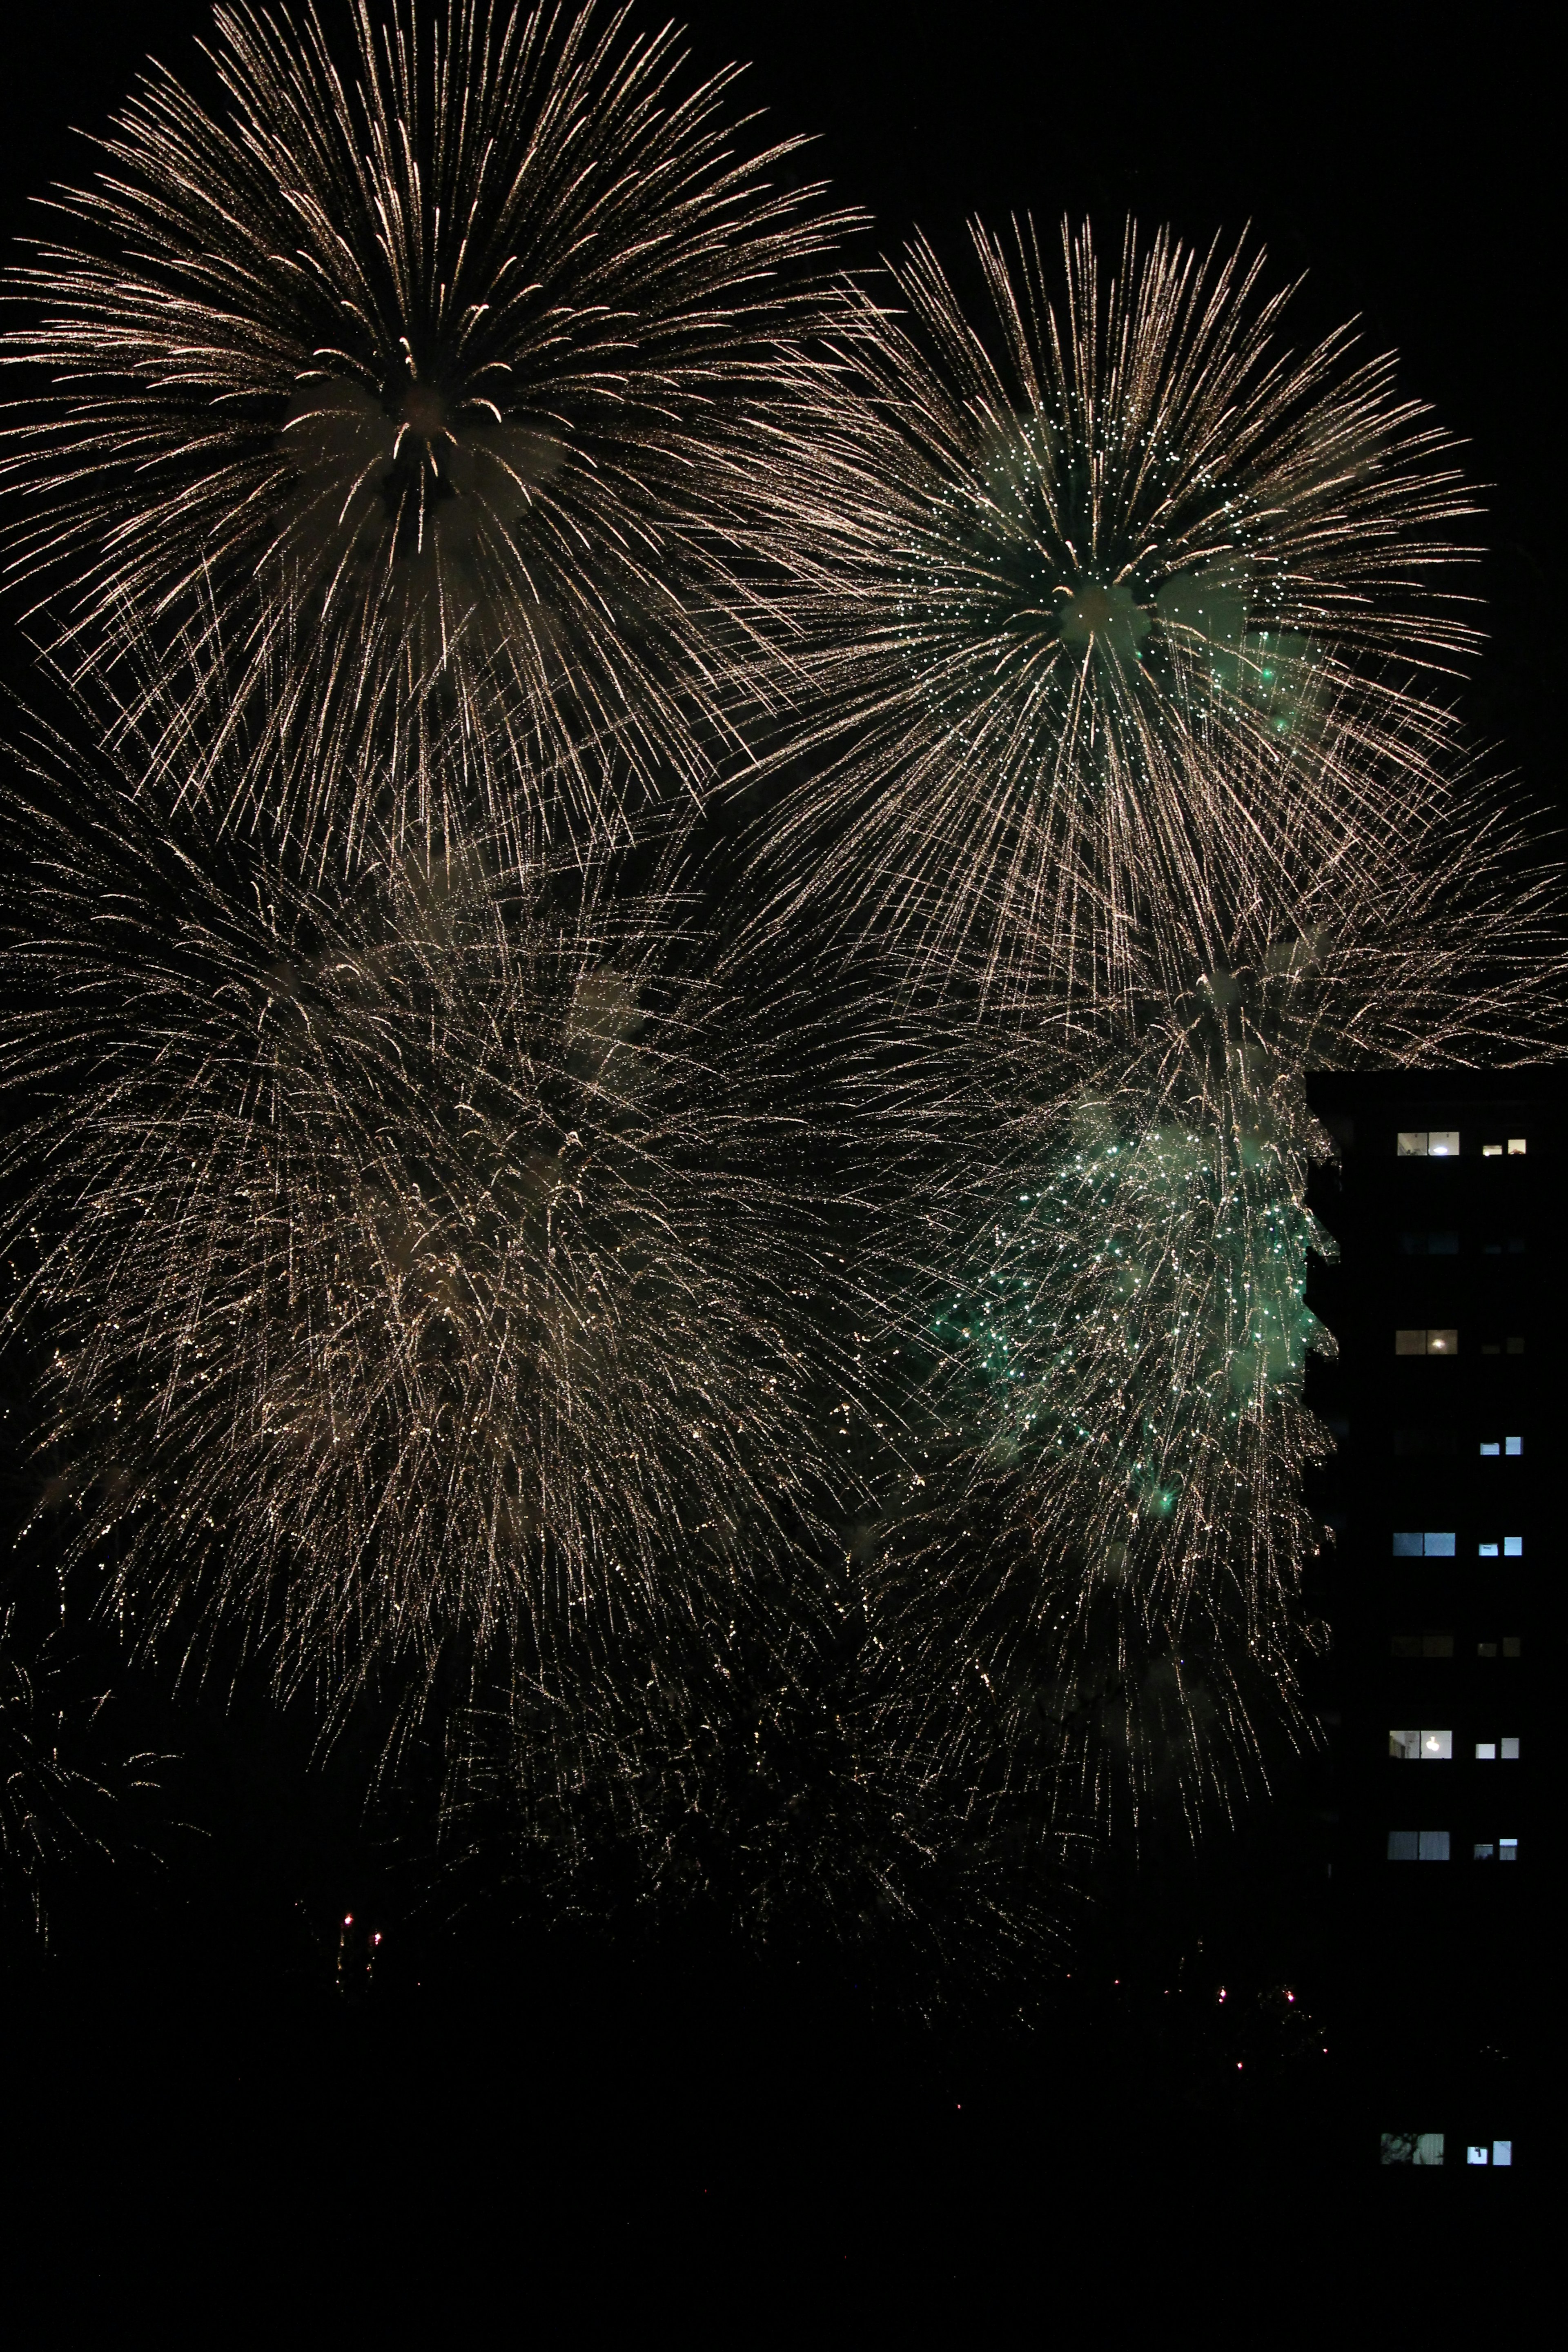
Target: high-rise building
1444,1587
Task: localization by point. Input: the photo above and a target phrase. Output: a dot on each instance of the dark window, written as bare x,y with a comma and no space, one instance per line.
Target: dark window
1423,1646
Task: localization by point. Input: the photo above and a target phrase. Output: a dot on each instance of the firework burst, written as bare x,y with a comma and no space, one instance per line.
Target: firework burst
423,361
1095,1589
1106,1576
402,1252
1090,579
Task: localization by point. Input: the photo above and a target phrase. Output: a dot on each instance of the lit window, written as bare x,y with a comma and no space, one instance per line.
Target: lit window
1422,1143
1478,2152
1493,1448
1486,1649
1418,1845
1413,2148
1507,1849
1491,1151
1483,1851
1516,1147
1434,1545
1421,1747
1513,1546
1510,1750
1513,1445
1502,2151
1486,1751
1413,1143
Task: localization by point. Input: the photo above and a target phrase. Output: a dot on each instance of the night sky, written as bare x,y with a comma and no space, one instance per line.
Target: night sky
581,2113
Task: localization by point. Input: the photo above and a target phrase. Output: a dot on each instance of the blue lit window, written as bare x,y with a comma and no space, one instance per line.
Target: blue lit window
1418,1845
1513,1546
1416,2147
1430,1546
1487,1552
1493,1448
1513,1445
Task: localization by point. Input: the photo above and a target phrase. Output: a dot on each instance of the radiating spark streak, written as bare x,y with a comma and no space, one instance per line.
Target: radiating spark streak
415,1269
439,371
1077,584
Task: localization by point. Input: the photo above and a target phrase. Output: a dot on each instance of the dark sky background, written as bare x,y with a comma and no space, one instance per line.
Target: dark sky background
1400,156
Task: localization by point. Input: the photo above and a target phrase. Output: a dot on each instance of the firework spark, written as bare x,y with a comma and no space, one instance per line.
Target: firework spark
1088,579
425,367
751,1784
405,1259
61,1781
1095,1589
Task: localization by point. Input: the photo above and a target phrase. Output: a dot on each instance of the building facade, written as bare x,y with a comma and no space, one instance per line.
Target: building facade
1443,1589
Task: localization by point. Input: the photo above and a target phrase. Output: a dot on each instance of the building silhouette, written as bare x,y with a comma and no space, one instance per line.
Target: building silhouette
1443,1587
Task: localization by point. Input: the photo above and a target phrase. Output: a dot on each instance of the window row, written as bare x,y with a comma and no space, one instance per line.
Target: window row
1427,2147
1441,1645
1441,1544
1444,1342
1407,1442
1445,1243
1438,1748
1443,1143
1432,1846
